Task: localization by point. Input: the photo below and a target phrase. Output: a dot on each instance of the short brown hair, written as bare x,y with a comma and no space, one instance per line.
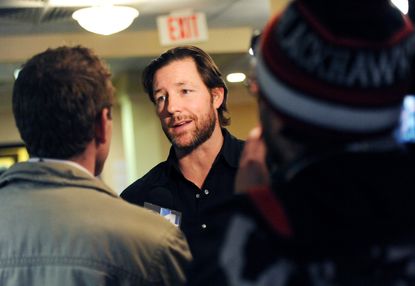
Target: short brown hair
206,67
57,99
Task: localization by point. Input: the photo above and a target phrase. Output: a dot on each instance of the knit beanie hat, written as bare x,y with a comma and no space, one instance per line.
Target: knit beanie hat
337,68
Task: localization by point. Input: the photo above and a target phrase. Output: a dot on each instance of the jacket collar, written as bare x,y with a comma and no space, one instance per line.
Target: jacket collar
53,173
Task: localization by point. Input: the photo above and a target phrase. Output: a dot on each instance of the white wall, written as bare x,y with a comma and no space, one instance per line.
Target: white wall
8,130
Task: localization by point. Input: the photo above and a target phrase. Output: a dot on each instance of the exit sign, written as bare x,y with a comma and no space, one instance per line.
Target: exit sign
182,28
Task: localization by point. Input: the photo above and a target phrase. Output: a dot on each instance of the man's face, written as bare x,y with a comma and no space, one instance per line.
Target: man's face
185,106
280,148
271,128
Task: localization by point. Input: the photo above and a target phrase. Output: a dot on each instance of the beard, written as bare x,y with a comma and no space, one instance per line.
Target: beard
204,127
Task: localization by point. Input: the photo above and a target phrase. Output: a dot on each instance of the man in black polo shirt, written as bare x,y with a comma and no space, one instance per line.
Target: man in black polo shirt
190,99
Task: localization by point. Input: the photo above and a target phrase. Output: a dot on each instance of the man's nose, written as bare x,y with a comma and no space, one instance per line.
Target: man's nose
173,104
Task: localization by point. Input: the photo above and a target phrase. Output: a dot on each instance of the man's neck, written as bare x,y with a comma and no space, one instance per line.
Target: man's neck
87,158
196,165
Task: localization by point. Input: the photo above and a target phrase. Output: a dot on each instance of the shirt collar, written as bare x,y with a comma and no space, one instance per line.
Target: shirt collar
67,162
231,149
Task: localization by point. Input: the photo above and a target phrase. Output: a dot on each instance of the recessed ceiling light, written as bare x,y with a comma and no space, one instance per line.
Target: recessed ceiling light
236,77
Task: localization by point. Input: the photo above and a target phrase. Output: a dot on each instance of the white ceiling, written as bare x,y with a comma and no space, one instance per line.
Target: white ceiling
27,18
46,16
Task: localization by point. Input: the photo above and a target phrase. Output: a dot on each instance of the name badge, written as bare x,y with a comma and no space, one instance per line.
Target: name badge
175,217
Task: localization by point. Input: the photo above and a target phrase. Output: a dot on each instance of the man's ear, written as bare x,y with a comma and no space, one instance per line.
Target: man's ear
101,126
218,95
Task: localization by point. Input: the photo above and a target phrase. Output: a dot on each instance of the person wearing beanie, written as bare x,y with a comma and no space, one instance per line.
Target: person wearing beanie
325,193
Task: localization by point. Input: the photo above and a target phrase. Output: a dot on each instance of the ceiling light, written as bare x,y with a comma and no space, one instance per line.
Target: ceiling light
106,19
235,77
401,5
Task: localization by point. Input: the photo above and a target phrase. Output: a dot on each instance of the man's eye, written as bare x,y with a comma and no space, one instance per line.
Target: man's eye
186,91
160,99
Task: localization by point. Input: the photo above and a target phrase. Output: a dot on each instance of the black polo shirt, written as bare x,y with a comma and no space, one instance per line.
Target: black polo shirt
165,186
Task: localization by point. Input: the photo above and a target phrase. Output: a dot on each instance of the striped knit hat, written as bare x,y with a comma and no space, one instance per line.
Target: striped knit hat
337,68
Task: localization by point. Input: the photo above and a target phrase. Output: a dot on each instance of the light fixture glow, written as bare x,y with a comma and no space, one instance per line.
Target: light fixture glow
401,5
105,20
16,73
235,77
